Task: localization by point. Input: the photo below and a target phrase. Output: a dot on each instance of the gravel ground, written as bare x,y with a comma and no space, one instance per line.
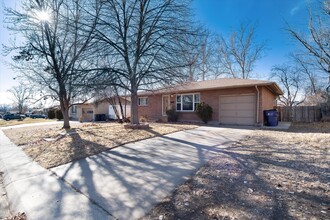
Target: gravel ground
268,175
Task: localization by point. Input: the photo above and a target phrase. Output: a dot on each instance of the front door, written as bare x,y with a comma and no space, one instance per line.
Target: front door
166,104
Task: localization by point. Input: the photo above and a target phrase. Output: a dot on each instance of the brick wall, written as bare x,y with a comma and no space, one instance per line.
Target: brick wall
266,102
154,109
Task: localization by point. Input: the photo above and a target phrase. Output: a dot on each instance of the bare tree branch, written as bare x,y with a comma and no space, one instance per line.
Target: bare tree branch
240,52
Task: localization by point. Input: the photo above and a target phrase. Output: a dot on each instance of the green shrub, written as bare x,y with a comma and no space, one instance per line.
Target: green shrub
204,111
51,113
58,114
172,115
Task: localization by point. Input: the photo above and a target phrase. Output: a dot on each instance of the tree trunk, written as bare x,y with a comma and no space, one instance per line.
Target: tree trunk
64,103
121,108
66,119
134,107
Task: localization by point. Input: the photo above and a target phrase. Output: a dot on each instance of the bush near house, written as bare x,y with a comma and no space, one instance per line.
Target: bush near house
204,111
58,114
172,115
51,113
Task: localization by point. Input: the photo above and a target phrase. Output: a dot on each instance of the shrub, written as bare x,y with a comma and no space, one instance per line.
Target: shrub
172,115
58,114
51,113
204,111
143,118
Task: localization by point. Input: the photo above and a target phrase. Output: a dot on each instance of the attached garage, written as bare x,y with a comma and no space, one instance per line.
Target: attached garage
233,101
237,109
87,114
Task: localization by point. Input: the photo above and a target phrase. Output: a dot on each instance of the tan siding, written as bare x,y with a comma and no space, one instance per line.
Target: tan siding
102,108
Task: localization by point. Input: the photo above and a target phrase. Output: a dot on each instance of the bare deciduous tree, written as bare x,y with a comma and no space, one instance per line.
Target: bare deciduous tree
20,96
141,37
206,55
58,35
290,79
191,47
4,108
239,53
317,43
316,79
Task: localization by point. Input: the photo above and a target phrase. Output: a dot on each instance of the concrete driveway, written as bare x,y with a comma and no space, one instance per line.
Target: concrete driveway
128,181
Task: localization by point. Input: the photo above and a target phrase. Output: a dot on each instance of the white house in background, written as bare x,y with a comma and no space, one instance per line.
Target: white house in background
126,110
98,110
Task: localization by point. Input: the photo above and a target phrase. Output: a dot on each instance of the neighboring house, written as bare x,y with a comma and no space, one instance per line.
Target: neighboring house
98,110
234,101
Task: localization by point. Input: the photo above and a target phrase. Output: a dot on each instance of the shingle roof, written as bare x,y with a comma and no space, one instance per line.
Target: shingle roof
225,83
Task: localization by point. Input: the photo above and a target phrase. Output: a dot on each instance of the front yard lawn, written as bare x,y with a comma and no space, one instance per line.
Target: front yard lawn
267,175
4,123
52,146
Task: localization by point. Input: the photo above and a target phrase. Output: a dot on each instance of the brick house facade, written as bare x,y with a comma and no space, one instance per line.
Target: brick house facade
234,101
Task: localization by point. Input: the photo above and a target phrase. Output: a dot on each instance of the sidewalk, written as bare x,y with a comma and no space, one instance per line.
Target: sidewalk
124,183
39,193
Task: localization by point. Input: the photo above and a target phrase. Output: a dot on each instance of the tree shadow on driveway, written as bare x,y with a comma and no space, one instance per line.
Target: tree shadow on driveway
253,180
129,180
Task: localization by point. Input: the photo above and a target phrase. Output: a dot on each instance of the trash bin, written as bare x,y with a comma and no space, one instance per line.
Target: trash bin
100,117
271,117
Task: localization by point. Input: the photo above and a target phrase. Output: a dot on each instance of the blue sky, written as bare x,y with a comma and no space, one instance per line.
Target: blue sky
220,16
224,16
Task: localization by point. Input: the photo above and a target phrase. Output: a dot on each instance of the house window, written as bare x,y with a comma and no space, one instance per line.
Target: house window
74,109
143,101
187,102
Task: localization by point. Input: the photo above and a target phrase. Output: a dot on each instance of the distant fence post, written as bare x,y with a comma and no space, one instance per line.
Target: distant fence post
299,113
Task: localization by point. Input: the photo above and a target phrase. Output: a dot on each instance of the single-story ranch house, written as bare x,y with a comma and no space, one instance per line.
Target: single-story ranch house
234,101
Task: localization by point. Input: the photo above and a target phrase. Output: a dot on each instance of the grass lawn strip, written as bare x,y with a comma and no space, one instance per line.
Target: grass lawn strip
50,148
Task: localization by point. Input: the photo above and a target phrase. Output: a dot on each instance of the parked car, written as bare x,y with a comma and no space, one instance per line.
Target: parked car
34,116
8,117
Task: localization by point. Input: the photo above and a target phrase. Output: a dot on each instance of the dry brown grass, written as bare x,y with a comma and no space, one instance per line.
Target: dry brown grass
4,123
50,148
267,175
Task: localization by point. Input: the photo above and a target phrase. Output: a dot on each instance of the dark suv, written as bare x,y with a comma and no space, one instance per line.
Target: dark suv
38,116
8,117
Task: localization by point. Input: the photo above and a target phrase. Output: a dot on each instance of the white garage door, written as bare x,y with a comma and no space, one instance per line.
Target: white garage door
237,109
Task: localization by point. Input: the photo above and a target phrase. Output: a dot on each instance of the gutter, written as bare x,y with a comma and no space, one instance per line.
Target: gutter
257,103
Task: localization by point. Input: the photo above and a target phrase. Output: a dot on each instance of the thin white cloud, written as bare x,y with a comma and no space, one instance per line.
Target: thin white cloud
298,7
294,10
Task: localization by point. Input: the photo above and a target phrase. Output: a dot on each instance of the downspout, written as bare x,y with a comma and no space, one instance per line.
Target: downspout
257,103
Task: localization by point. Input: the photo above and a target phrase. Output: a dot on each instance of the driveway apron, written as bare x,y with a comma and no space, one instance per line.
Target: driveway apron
129,180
